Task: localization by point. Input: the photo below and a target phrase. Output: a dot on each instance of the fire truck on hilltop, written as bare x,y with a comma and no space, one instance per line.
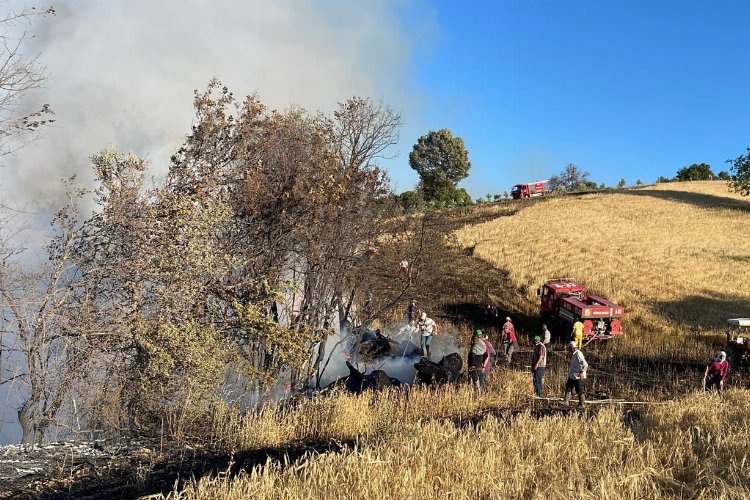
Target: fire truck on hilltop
564,301
529,190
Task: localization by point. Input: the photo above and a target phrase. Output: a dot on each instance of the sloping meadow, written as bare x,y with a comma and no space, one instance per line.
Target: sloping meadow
675,255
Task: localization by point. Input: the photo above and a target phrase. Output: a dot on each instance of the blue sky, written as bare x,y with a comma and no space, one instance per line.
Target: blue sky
623,89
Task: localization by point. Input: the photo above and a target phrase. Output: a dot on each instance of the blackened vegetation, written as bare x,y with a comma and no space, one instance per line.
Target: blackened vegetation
445,371
374,345
358,382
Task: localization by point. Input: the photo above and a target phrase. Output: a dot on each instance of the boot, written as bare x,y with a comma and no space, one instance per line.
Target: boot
581,400
566,399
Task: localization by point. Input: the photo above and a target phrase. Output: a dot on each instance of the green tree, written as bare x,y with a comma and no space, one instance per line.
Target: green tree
638,182
571,179
695,172
740,174
442,161
621,183
724,176
662,179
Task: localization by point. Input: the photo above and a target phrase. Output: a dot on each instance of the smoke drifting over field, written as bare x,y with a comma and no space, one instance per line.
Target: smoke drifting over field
339,349
122,74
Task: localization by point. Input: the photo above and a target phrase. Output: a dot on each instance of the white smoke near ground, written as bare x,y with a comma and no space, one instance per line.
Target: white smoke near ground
122,74
339,350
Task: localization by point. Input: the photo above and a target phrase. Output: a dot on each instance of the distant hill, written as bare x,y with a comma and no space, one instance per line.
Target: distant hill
676,255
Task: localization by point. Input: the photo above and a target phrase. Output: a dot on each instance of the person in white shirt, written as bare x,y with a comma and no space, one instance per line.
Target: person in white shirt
427,328
576,374
546,338
403,269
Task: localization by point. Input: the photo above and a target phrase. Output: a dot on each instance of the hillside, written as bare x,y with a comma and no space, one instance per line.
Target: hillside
675,255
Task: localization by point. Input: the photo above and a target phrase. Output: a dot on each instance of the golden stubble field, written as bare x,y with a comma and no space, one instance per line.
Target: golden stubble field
676,255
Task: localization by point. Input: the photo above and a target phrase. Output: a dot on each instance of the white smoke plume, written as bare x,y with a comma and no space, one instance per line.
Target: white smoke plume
122,74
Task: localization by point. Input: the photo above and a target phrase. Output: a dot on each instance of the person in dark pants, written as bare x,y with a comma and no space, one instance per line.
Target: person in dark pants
546,338
576,375
411,311
716,372
538,364
476,360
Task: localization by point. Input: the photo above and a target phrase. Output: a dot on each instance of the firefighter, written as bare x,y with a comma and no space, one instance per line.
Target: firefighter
576,375
578,333
716,372
427,328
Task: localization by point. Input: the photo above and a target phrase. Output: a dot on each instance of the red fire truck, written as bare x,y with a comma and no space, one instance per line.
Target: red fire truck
564,301
531,189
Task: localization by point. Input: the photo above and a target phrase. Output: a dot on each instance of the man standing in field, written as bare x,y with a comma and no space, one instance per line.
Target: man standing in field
538,364
411,311
477,358
510,342
427,328
491,354
546,338
576,375
716,372
578,333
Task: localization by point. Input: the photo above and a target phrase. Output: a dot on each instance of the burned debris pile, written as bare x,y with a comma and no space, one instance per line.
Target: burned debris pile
445,371
397,362
374,345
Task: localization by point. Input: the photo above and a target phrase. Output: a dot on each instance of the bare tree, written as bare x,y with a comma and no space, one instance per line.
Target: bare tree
19,75
51,340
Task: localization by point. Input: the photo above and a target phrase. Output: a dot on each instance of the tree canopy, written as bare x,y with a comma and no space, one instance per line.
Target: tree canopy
172,298
442,161
695,172
740,182
571,179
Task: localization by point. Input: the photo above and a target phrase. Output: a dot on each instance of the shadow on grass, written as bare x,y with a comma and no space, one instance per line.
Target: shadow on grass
696,199
707,310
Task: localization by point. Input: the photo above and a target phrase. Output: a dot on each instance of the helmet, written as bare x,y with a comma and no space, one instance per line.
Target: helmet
424,315
572,345
537,338
477,332
507,319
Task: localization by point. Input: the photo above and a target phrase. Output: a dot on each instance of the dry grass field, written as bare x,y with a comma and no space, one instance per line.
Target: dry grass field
675,255
457,444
